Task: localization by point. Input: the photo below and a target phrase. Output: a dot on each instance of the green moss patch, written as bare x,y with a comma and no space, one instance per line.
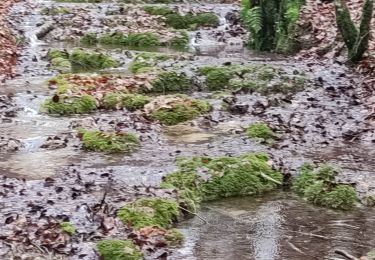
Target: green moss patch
79,60
264,79
260,131
148,61
146,39
65,105
113,249
131,102
319,187
68,228
95,140
188,21
171,82
171,110
204,178
149,212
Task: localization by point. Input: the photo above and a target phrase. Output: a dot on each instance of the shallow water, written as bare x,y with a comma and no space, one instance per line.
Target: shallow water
275,226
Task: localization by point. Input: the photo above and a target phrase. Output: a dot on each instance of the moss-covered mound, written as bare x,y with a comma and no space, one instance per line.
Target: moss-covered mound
79,60
149,212
318,186
131,102
260,131
264,79
188,21
171,110
171,82
66,105
113,249
95,140
68,228
204,178
147,61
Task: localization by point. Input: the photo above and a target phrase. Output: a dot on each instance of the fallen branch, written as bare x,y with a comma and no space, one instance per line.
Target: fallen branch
195,214
345,254
269,178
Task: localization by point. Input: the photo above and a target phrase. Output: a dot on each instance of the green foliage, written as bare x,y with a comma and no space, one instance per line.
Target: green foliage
204,178
179,113
131,102
149,212
132,39
260,131
191,21
56,53
158,10
87,61
141,67
174,236
68,228
186,183
171,82
355,39
319,187
264,79
181,39
119,250
64,105
272,24
142,39
95,140
89,39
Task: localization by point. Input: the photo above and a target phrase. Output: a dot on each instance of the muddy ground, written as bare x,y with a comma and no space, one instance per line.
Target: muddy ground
47,178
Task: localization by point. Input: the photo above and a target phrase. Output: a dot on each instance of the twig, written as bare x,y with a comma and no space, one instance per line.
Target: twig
296,248
195,214
269,178
345,254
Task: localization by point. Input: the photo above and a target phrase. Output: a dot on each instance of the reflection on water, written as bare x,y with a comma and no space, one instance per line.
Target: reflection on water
276,226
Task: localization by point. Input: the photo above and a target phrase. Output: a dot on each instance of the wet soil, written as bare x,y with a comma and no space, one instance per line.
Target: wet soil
46,177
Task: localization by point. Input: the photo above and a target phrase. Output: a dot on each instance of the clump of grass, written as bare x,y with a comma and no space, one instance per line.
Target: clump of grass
171,82
131,102
149,212
319,187
181,111
205,178
79,60
180,40
95,140
132,39
264,79
188,21
64,105
260,131
89,39
87,61
174,236
68,228
113,249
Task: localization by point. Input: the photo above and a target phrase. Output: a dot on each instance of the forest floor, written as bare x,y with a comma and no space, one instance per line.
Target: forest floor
47,177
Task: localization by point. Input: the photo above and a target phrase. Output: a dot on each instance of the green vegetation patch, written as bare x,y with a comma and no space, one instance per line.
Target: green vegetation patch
68,228
260,131
146,39
113,249
174,236
188,21
131,102
65,105
149,212
54,11
180,40
205,178
264,79
171,82
99,141
172,110
319,187
148,61
79,60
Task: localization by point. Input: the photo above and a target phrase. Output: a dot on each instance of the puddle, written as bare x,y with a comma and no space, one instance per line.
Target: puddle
276,226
